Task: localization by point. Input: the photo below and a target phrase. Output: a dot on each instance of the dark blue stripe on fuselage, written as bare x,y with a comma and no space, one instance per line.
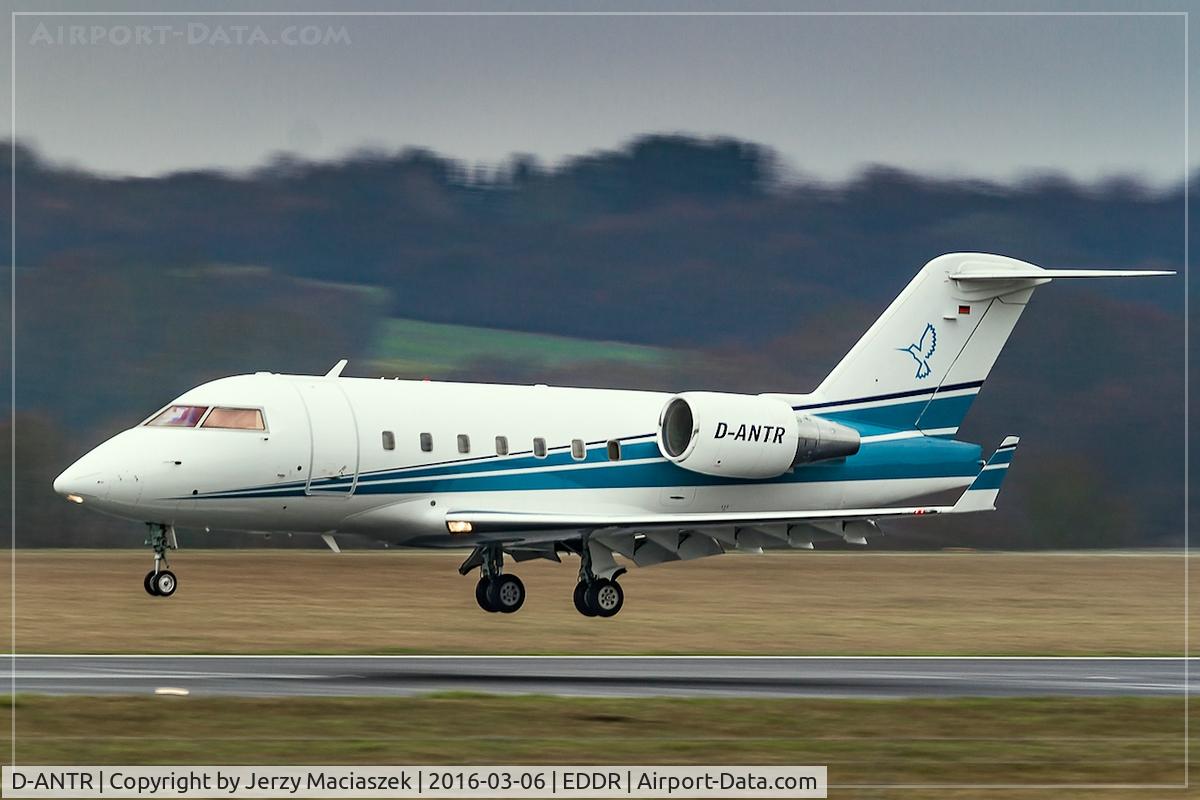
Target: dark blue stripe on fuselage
893,396
918,457
895,461
943,412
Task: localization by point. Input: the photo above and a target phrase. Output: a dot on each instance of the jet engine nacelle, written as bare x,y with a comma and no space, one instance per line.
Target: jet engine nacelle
746,436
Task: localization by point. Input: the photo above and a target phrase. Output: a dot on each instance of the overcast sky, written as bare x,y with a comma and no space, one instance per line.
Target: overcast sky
982,96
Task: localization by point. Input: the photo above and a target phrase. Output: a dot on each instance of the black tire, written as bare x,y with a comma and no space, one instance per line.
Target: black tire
506,594
605,597
581,603
481,595
165,583
148,584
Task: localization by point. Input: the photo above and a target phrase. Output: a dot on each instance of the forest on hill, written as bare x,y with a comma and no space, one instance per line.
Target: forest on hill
724,268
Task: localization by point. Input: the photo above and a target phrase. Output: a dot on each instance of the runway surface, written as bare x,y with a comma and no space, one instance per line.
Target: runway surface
600,676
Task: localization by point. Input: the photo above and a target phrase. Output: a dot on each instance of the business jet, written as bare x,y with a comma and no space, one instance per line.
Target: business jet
541,472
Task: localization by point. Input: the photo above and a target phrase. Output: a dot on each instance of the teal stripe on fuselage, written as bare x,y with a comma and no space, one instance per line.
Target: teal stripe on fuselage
941,412
917,457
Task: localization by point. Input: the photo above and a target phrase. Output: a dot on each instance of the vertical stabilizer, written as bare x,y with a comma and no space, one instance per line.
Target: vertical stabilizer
924,360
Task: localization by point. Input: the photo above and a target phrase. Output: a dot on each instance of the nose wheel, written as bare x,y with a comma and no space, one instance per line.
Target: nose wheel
161,582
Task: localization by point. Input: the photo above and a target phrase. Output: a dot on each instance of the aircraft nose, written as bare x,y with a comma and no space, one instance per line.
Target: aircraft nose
108,477
81,480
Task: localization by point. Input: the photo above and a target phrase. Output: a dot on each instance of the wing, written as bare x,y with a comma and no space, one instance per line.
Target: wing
647,539
531,522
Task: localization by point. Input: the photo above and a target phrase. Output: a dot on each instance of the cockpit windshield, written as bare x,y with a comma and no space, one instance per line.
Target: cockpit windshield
179,416
244,419
241,419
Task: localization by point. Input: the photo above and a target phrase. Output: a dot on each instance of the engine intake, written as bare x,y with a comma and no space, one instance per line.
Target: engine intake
746,436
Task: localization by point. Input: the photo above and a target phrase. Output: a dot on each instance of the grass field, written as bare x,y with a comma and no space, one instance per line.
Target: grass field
428,348
1022,741
278,601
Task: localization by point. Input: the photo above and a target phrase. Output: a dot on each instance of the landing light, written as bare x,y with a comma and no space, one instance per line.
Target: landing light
459,526
74,498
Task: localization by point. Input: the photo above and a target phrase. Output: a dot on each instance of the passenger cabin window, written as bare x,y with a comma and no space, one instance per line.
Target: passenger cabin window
178,417
389,440
427,442
578,449
539,447
464,443
614,450
239,419
501,445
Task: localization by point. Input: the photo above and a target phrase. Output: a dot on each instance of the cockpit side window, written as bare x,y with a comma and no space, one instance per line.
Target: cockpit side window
242,419
178,416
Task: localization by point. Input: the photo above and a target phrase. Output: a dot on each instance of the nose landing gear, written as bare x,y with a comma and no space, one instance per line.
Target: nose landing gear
160,582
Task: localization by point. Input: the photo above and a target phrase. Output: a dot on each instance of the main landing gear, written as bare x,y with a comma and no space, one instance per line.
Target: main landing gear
497,592
161,582
597,597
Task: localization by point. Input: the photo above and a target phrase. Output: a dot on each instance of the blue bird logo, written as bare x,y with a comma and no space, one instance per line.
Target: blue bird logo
922,350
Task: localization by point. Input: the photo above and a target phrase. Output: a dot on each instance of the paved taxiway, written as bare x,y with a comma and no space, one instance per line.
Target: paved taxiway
603,676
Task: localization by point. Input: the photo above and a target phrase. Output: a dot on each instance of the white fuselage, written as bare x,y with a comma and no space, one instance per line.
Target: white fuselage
322,462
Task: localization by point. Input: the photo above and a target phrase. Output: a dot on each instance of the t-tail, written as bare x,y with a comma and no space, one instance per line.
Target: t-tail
921,364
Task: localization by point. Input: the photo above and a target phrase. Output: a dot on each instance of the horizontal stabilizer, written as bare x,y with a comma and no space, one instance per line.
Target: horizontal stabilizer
981,494
1037,273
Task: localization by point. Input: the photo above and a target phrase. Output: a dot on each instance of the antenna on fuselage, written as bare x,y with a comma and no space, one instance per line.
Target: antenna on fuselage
336,370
